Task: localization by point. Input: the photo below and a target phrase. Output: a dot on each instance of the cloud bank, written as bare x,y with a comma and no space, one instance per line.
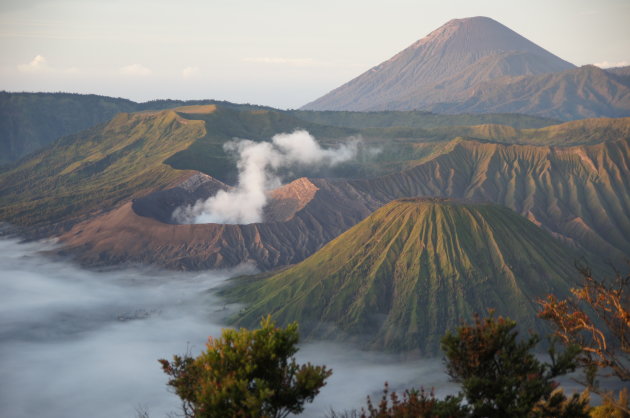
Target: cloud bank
190,72
258,165
295,62
135,70
37,64
78,343
608,64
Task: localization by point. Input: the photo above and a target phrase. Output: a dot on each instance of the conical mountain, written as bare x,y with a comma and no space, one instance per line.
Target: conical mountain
412,270
439,67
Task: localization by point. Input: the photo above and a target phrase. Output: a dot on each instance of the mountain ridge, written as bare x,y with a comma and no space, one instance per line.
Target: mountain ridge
575,193
571,179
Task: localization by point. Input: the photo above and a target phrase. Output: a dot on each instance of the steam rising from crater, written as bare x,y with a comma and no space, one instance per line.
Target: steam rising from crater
258,165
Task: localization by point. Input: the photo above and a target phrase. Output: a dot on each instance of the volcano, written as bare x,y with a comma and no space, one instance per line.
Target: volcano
478,65
442,65
411,270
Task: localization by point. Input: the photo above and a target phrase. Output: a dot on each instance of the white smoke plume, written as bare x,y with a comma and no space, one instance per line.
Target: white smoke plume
258,165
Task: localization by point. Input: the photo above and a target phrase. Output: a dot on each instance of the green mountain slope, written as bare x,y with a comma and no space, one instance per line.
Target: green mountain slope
570,179
31,121
580,193
94,170
418,119
410,271
133,155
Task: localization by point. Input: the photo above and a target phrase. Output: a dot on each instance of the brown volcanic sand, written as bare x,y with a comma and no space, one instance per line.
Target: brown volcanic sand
302,225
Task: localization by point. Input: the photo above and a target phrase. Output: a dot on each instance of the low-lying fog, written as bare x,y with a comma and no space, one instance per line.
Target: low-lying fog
76,343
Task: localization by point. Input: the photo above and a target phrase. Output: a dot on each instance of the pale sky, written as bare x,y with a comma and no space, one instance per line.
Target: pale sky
281,53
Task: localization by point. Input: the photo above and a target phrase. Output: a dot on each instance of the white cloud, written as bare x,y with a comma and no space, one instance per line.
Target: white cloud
135,70
296,62
37,65
190,72
607,64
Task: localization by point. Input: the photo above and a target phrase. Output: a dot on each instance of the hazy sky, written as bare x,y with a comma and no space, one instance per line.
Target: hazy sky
281,53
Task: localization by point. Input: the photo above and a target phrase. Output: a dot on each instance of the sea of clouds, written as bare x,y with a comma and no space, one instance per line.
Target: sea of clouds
77,343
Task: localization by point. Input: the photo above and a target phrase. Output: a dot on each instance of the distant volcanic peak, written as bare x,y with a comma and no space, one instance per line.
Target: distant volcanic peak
479,36
451,29
431,70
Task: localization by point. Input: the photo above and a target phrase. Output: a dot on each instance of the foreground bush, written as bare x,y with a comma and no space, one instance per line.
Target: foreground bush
501,377
246,374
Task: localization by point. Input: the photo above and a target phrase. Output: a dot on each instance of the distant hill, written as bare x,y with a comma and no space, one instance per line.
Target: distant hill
412,270
31,121
621,71
477,65
418,119
94,170
585,92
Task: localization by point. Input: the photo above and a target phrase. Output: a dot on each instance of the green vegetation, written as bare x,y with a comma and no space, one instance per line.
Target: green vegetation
499,374
96,169
501,377
413,403
31,121
253,374
246,374
418,119
411,270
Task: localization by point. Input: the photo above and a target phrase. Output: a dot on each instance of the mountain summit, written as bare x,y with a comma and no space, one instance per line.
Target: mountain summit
441,66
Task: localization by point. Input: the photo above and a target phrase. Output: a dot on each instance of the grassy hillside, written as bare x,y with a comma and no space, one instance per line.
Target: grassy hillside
134,154
412,270
581,193
31,121
97,168
417,119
